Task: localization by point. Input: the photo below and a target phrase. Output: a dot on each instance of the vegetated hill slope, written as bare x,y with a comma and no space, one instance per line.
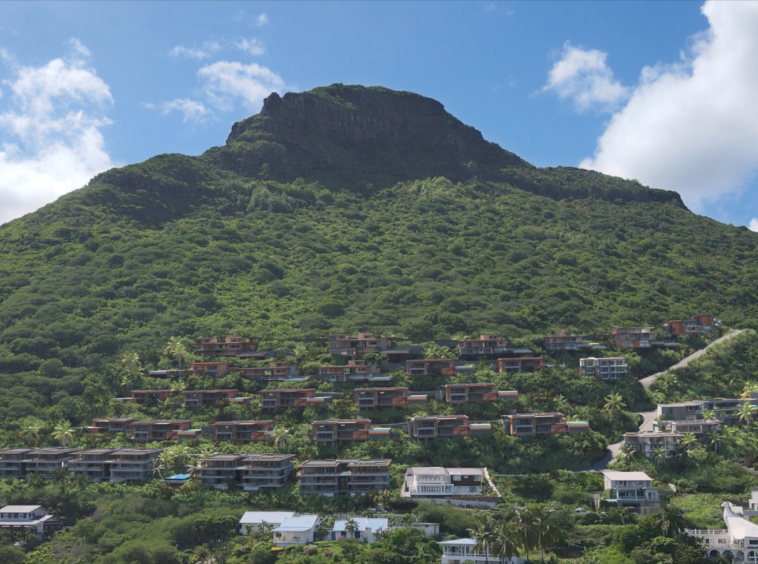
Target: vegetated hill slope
350,208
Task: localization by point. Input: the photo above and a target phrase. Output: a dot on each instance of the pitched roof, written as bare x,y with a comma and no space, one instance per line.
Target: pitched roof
297,524
19,508
633,476
259,517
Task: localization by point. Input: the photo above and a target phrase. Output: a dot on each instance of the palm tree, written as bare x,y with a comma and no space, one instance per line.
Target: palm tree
433,351
746,412
525,529
626,453
158,469
571,418
689,441
301,352
165,405
716,440
614,403
484,534
62,432
546,527
505,542
671,521
709,415
281,438
31,433
132,363
351,525
177,350
659,454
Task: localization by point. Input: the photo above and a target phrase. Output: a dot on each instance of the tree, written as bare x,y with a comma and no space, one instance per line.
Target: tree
689,441
709,415
626,453
525,529
351,525
505,542
671,521
746,412
281,438
716,440
301,352
31,433
547,527
660,455
133,365
177,350
571,418
62,432
483,533
614,403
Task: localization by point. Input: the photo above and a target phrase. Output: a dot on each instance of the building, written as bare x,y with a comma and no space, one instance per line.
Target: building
296,530
274,371
362,344
531,424
214,369
475,393
255,520
257,431
366,398
221,469
361,528
436,481
701,429
266,470
355,371
13,462
277,399
632,337
647,442
232,346
92,463
611,368
698,325
45,461
130,464
484,345
205,398
737,543
17,518
149,398
351,475
630,489
436,367
725,410
160,430
347,430
120,425
433,426
522,364
568,341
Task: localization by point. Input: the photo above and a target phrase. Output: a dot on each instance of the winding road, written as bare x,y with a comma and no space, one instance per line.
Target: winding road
648,417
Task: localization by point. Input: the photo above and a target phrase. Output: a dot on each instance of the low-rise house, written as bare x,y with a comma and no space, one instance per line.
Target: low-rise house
435,367
475,393
160,430
433,426
632,337
568,341
355,371
429,529
737,543
347,430
361,528
647,442
364,343
630,489
118,425
232,346
256,431
214,369
130,464
520,364
610,368
459,551
256,520
700,429
436,481
386,397
269,470
45,461
13,462
149,398
351,475
204,398
531,424
20,517
274,371
484,345
92,463
277,399
698,325
296,530
725,410
220,469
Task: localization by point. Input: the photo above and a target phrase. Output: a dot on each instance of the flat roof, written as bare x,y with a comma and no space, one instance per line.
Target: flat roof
341,421
634,476
467,384
268,456
446,471
219,423
97,451
159,421
19,508
54,450
116,419
185,392
224,457
16,450
288,390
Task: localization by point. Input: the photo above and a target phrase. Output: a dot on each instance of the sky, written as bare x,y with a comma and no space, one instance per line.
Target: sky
661,92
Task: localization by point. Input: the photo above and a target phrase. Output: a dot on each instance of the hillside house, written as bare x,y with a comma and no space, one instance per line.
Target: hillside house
264,471
255,431
132,464
159,430
725,410
355,371
630,489
647,442
364,529
484,345
701,429
737,543
568,341
17,518
435,367
13,462
632,337
459,551
521,364
364,343
296,530
231,346
608,369
149,398
530,424
337,431
214,369
436,481
274,371
366,398
92,463
221,469
351,475
256,520
432,426
277,399
204,398
46,461
118,425
698,325
475,393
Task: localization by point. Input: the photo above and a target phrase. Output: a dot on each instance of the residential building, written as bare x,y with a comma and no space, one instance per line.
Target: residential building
130,464
364,529
568,341
475,393
92,463
274,371
232,346
20,517
296,530
434,367
277,399
269,470
355,371
221,469
119,425
363,343
160,430
352,475
737,543
460,551
632,337
698,325
255,520
521,364
13,462
436,481
701,429
609,369
429,529
257,431
386,397
149,398
347,430
484,345
46,461
433,426
214,369
647,442
530,424
725,410
630,489
204,398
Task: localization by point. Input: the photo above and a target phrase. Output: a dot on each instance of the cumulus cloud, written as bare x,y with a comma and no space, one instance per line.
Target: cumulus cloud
583,76
207,49
253,46
753,224
691,126
191,110
226,82
52,120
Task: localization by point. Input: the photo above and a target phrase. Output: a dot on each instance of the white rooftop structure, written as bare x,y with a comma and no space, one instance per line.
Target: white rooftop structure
22,516
296,530
464,550
626,476
252,520
362,528
738,542
426,481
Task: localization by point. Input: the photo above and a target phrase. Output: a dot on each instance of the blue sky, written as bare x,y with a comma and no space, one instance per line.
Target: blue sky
658,91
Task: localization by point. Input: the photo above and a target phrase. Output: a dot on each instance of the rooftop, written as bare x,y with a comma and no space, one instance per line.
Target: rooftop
259,517
19,508
297,524
363,523
620,476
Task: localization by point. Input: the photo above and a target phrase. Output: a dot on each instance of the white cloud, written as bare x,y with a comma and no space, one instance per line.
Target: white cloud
192,110
692,126
261,20
253,46
52,122
583,76
207,49
78,48
753,224
228,81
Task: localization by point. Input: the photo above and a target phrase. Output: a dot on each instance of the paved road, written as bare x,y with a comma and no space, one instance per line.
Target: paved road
648,417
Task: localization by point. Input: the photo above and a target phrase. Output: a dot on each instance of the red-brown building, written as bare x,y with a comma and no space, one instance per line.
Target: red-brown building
568,341
698,325
475,393
529,424
446,426
256,431
345,430
275,399
363,343
164,430
274,371
216,369
632,337
436,367
232,346
202,398
386,397
149,397
484,345
118,425
354,371
523,364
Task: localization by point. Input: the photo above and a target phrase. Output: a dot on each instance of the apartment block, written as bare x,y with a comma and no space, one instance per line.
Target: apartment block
521,364
132,464
363,343
531,424
632,337
277,399
231,346
347,430
45,461
701,429
214,369
204,398
698,325
220,469
355,371
261,471
352,475
441,367
609,369
648,441
149,398
161,430
630,489
256,431
568,341
366,398
119,425
475,393
92,463
13,462
274,371
436,481
433,426
725,410
484,345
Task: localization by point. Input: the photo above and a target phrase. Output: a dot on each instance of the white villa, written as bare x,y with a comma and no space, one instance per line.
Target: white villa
254,520
366,530
738,542
19,517
630,489
296,530
436,481
464,550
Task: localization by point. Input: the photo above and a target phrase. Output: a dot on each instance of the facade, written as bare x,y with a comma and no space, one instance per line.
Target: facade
737,543
150,398
120,425
611,368
630,489
700,428
274,371
232,346
484,345
351,475
568,341
355,371
257,431
220,469
215,369
276,399
204,398
433,426
531,424
725,410
522,364
698,325
19,517
364,343
436,481
128,464
648,441
361,528
441,367
162,430
632,337
254,520
367,398
46,461
296,530
266,470
475,393
337,431
92,463
13,462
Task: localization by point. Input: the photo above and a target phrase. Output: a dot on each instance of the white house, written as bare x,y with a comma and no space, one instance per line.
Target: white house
367,530
630,489
296,530
436,481
464,550
21,516
738,542
253,520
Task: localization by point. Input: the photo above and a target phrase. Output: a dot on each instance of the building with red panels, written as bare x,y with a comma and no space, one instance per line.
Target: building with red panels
355,370
275,399
274,371
485,344
568,341
149,397
216,369
523,364
530,424
119,425
386,397
698,325
256,431
632,337
436,367
202,398
433,426
363,343
163,430
342,430
475,393
231,346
